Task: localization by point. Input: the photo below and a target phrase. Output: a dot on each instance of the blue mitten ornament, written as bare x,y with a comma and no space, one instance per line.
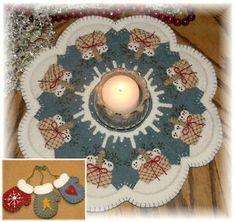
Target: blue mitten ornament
69,188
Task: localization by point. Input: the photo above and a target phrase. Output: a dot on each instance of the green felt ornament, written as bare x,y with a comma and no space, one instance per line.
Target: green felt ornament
45,201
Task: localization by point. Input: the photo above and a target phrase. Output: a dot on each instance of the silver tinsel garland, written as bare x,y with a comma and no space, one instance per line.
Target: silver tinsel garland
26,36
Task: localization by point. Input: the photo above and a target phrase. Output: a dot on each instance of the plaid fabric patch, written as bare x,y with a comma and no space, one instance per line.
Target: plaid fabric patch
192,129
50,80
148,39
187,76
89,41
153,169
51,133
98,176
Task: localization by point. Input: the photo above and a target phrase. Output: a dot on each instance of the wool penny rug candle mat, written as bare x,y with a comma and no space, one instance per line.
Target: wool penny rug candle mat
128,98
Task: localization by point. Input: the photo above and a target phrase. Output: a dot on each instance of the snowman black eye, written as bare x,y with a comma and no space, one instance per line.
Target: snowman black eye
177,127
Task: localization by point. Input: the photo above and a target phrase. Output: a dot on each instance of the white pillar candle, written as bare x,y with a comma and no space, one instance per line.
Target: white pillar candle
121,94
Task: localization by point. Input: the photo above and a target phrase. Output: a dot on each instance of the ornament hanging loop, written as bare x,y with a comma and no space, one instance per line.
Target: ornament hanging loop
40,169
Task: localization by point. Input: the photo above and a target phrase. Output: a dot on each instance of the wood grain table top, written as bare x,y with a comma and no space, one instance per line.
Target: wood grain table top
206,189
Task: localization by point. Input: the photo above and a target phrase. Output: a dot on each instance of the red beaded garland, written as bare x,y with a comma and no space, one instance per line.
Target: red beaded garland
185,21
113,13
95,12
162,17
58,18
177,22
65,16
73,14
80,14
191,17
88,12
170,19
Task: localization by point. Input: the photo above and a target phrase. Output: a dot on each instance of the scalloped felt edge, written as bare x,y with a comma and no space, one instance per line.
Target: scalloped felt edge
125,193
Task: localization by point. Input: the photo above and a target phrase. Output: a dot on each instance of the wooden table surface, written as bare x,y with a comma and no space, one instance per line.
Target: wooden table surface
206,190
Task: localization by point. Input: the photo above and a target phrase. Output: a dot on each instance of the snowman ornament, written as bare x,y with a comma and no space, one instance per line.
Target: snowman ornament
141,41
99,170
151,165
92,45
181,76
56,80
188,127
55,131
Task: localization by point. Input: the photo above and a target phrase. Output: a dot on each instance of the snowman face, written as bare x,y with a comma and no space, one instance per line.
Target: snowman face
141,159
107,165
183,115
102,49
136,164
58,119
177,131
68,136
156,152
67,76
91,159
149,52
179,85
133,46
59,90
170,72
87,55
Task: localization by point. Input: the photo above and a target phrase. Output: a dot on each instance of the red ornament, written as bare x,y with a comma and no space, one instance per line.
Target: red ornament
155,14
73,14
71,190
14,199
95,12
177,22
191,17
185,21
111,14
88,12
162,17
58,18
103,13
80,14
65,16
170,19
52,17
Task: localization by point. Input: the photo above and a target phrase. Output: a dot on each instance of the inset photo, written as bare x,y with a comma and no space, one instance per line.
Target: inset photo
44,189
